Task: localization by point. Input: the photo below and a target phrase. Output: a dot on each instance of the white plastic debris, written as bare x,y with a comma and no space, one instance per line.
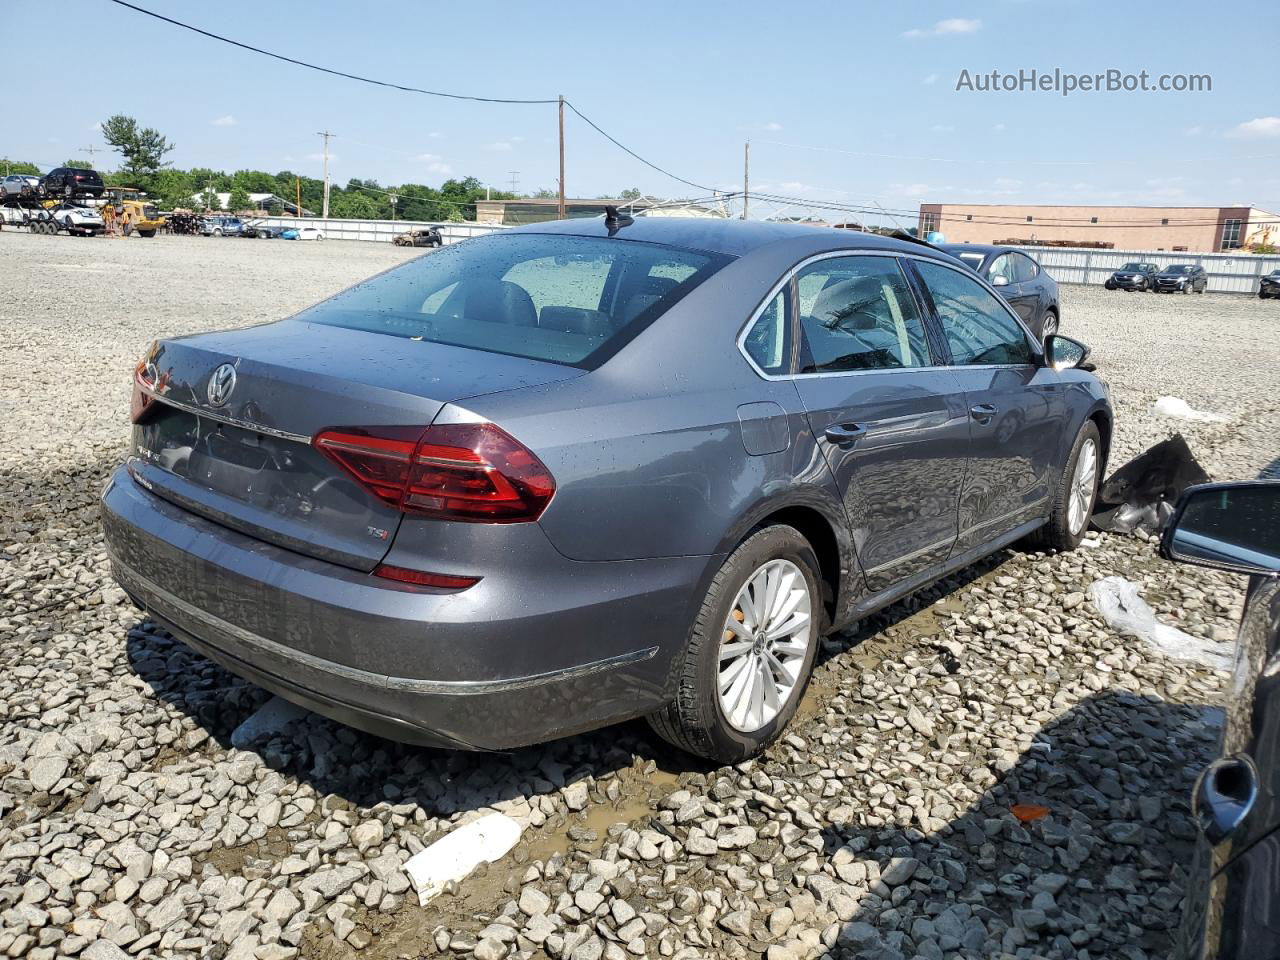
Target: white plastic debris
455,855
1118,601
1179,409
272,717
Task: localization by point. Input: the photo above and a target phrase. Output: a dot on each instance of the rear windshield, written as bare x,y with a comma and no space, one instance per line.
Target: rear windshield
570,300
1132,266
1179,268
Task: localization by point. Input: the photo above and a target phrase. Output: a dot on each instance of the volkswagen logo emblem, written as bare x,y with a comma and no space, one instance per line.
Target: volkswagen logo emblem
221,382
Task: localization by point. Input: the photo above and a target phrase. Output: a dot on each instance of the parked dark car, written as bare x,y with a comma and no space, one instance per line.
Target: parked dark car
1270,285
1133,276
71,182
1019,279
577,472
1181,278
1234,886
259,231
428,237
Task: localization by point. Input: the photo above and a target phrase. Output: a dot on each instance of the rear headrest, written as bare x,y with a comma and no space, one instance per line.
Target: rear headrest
499,301
591,323
836,297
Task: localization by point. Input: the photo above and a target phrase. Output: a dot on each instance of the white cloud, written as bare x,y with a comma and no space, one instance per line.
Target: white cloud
942,128
226,120
501,146
794,186
998,127
1193,131
773,127
942,28
930,80
434,163
94,128
319,157
1257,128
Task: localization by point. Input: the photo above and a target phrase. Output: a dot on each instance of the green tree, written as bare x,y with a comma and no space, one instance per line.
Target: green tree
631,193
143,148
172,190
239,199
85,164
18,166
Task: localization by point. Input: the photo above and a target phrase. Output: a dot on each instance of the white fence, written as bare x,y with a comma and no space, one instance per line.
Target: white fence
379,230
1228,272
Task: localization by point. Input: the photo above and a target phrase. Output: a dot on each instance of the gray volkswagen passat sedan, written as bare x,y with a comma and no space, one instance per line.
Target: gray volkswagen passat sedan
573,473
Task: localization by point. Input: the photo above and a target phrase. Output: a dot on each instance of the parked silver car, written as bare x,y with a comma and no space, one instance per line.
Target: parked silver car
19,185
557,477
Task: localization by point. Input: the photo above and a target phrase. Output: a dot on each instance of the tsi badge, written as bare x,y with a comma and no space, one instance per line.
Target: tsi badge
221,382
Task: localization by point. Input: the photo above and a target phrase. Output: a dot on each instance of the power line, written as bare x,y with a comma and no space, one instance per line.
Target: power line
312,66
648,163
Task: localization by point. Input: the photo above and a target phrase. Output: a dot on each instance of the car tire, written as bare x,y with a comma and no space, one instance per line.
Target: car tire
700,719
1050,325
1185,291
217,232
1073,499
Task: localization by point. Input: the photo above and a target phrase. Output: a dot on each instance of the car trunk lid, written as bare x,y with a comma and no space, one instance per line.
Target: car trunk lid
230,438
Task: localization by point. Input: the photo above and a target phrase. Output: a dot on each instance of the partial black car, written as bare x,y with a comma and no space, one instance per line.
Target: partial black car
1270,286
1133,276
1181,278
1233,897
1018,278
71,182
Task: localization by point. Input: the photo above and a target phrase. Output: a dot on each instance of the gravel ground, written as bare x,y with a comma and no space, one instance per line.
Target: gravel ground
880,827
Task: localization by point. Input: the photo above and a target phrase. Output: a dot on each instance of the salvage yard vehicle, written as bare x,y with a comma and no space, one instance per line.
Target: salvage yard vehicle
19,185
1018,278
1269,286
577,472
221,226
1133,276
134,212
302,233
428,237
70,182
1231,896
1181,278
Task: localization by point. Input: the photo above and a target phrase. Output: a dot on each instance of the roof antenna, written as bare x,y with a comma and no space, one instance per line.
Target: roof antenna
615,221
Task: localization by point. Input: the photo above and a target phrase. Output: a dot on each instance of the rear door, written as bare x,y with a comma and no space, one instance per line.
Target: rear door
1015,404
1010,279
893,426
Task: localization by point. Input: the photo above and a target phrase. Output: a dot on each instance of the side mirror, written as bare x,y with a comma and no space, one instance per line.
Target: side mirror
1063,353
1228,526
999,280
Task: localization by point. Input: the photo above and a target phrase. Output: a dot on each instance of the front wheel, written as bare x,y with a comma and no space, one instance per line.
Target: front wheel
1073,499
1050,325
750,651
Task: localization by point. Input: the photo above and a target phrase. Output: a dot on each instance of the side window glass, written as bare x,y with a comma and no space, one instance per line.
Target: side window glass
858,313
768,341
1025,269
978,327
1002,270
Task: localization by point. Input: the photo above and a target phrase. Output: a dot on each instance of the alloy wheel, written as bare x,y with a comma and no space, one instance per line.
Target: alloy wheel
765,640
1083,485
1050,325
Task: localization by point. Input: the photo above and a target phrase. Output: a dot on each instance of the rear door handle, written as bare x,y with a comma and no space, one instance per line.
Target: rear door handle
982,412
841,433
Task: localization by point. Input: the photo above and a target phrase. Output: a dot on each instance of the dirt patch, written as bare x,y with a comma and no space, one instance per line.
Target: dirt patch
275,845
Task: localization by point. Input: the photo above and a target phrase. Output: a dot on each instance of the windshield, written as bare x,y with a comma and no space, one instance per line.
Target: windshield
570,300
1132,266
1178,268
972,259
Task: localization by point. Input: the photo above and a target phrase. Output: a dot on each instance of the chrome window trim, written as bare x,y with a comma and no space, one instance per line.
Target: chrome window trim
896,255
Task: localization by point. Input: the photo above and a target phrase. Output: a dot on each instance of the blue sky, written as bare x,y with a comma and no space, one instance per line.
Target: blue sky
842,101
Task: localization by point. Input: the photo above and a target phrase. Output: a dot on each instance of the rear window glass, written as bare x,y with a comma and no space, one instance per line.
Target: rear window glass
570,300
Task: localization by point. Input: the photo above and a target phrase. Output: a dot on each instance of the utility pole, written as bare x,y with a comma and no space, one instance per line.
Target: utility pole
515,177
91,151
560,207
746,174
326,134
394,198
297,186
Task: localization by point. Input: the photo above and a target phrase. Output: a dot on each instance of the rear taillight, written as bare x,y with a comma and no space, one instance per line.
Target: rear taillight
455,471
144,381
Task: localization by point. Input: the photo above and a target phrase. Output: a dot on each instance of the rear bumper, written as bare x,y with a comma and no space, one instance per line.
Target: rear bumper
552,648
